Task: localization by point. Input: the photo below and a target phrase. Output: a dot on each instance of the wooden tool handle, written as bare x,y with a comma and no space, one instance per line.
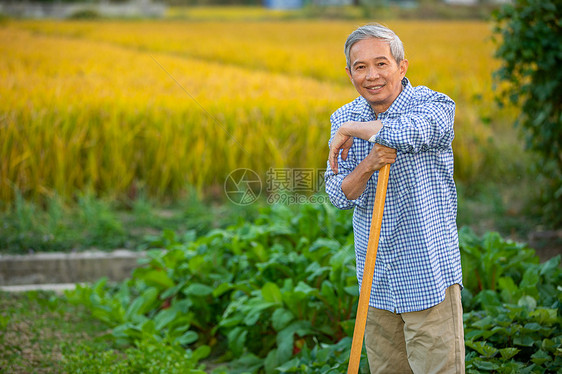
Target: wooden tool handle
368,271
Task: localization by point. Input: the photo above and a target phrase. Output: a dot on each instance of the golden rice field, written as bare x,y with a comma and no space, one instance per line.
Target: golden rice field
111,105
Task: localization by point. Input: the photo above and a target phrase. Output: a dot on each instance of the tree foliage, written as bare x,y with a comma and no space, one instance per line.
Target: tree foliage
530,48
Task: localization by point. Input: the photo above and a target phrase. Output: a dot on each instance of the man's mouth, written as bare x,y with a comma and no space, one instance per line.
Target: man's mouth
375,87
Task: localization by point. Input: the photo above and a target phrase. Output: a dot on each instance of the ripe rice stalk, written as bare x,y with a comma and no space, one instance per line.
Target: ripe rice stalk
107,106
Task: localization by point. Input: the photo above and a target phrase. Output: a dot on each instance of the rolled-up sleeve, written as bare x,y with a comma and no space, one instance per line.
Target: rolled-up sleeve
429,126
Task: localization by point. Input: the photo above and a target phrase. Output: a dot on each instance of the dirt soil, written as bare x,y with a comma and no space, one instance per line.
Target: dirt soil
547,244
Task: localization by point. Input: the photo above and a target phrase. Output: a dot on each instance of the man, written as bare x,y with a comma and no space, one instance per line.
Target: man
414,322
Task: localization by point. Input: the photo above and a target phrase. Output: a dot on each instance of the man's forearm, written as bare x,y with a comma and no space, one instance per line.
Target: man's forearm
355,182
361,130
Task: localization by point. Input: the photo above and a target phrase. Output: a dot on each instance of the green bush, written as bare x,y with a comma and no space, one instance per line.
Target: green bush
530,49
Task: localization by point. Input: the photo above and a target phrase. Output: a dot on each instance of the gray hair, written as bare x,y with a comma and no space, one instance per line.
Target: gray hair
377,31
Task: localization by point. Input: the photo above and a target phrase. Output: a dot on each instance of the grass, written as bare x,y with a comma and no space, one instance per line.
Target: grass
90,222
136,224
38,329
42,332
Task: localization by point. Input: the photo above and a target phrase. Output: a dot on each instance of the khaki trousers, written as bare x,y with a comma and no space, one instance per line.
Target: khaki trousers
424,342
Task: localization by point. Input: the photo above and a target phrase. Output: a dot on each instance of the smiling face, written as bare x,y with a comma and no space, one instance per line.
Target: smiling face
375,74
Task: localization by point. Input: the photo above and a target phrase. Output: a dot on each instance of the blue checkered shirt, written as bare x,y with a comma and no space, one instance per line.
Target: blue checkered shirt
418,255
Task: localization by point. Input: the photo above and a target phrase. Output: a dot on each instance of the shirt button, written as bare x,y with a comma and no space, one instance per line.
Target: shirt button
387,267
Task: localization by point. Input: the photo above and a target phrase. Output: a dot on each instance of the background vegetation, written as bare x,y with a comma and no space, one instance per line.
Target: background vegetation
120,133
531,51
278,295
118,107
124,109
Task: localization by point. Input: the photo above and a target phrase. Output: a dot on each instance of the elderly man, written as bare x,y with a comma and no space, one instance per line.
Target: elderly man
414,322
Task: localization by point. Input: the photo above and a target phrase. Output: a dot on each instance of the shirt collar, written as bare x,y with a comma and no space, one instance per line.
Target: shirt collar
365,111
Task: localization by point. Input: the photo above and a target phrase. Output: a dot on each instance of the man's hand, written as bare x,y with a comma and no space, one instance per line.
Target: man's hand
355,183
343,140
343,143
379,156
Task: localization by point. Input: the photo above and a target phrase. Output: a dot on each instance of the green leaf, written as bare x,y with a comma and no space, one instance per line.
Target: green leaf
237,340
281,318
270,362
222,288
198,289
550,266
249,363
172,291
544,316
528,302
488,299
332,245
142,303
259,251
532,327
305,289
188,338
483,348
348,326
540,357
164,317
230,322
352,290
327,290
551,346
285,338
271,292
149,329
158,278
524,341
508,353
252,317
288,365
201,352
473,334
485,365
484,323
530,278
509,289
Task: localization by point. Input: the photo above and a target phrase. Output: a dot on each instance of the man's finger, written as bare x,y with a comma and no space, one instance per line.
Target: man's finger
333,163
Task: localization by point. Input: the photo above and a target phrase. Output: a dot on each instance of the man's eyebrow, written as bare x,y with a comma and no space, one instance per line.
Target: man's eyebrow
376,58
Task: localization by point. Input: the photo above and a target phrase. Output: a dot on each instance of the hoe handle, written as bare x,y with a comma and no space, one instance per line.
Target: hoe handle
368,271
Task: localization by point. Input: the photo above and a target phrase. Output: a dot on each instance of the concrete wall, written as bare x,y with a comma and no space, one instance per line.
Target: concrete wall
67,267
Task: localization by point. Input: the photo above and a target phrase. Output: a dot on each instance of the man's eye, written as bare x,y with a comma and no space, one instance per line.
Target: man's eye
381,63
360,67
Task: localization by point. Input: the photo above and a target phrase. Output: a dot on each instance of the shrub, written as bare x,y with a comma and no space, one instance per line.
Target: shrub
531,54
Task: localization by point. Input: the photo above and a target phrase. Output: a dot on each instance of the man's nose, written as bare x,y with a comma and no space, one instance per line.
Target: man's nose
372,73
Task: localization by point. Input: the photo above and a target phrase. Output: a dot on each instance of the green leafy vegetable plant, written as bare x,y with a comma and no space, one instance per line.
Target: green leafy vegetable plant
279,295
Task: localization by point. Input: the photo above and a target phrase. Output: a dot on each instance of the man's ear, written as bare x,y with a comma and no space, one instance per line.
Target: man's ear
403,68
348,73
